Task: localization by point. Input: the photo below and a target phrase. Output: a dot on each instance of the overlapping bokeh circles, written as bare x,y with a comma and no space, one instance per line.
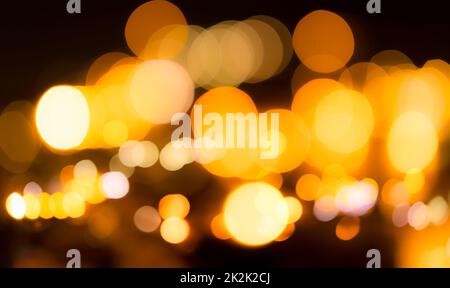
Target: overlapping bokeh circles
159,89
386,119
266,214
305,101
221,101
233,52
343,121
293,143
148,26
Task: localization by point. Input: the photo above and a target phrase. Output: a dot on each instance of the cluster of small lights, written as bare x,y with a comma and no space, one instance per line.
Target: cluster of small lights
45,206
145,154
169,217
419,215
336,193
138,154
81,185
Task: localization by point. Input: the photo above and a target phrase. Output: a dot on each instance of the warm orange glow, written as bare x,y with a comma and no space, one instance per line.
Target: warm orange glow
174,205
414,181
73,205
235,162
218,228
147,21
347,228
115,132
159,89
343,121
256,214
56,205
294,143
32,206
295,209
323,41
308,187
424,250
412,142
287,233
44,201
360,74
101,65
174,230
